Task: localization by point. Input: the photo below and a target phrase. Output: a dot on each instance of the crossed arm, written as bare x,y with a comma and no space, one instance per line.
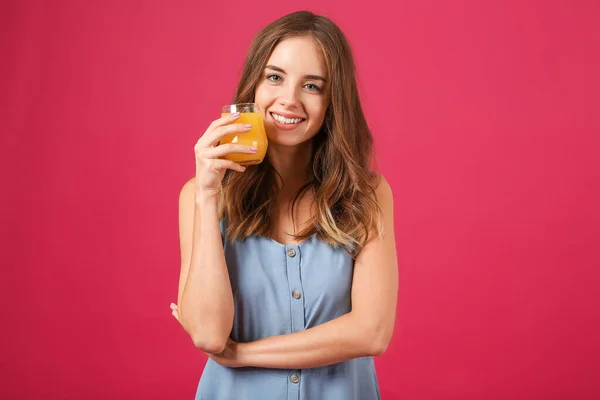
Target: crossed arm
364,331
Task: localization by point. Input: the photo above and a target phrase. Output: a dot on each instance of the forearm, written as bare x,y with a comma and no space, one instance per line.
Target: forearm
206,305
341,339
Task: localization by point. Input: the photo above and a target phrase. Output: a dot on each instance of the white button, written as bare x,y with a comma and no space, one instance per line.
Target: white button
294,378
292,253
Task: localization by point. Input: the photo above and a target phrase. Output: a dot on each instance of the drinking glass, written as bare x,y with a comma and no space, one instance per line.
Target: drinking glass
257,136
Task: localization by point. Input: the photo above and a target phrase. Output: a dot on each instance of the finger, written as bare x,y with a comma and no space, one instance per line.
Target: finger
227,164
205,140
229,148
224,120
222,131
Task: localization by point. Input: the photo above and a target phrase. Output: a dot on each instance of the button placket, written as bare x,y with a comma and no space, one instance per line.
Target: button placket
293,260
293,391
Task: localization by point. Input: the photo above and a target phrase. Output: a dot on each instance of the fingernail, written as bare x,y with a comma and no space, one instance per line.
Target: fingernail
237,114
253,148
248,126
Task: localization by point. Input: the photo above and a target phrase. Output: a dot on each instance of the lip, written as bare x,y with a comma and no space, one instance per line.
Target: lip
286,127
286,115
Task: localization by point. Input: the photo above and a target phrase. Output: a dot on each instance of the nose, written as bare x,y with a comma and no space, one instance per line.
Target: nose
288,97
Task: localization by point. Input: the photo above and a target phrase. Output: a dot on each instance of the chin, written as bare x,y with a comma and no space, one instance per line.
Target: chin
283,137
284,140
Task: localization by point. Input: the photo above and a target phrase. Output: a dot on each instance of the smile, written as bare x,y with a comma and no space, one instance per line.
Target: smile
286,121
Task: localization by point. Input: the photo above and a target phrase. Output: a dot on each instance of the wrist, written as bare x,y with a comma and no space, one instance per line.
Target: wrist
241,355
204,197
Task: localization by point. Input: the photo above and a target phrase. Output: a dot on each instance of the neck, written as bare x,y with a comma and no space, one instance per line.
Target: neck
293,164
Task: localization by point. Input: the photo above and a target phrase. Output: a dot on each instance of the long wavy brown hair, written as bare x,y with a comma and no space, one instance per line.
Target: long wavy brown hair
342,182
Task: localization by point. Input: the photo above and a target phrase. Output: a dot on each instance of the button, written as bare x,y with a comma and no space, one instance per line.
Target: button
292,253
296,294
294,378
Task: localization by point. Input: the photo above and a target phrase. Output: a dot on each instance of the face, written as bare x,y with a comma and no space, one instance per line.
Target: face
293,92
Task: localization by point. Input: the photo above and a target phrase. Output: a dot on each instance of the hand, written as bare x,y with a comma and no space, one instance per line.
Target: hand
175,312
229,357
210,168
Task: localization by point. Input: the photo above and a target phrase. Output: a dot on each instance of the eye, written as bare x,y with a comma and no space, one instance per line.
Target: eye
312,87
274,78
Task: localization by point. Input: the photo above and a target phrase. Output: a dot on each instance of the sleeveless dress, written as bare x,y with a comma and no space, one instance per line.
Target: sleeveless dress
280,289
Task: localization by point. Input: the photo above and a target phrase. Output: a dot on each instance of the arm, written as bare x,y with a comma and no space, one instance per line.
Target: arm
204,297
365,331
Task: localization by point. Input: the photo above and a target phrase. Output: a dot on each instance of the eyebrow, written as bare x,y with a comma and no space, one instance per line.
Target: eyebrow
313,77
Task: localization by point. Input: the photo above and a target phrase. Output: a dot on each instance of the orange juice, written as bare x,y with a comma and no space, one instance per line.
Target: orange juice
256,137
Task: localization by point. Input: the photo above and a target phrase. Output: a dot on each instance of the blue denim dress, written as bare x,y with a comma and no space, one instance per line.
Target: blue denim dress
277,290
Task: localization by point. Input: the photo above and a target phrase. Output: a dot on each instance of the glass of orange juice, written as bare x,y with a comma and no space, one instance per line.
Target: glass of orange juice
257,136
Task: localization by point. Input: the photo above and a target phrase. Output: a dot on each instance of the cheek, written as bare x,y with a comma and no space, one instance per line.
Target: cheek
316,109
263,93
258,93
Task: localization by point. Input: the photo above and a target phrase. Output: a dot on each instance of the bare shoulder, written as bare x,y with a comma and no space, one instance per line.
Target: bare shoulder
383,190
385,201
187,192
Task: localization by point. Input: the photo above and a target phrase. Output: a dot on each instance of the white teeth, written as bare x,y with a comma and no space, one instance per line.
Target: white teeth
283,120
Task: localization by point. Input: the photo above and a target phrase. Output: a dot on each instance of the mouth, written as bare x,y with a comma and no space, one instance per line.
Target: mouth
286,123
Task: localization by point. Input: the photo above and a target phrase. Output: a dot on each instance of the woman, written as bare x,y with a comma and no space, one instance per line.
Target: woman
289,274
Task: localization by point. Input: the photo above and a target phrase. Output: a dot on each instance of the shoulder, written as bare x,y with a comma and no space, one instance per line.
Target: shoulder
383,190
188,189
187,197
385,207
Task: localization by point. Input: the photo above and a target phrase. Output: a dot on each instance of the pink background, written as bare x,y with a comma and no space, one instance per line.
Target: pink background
486,121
